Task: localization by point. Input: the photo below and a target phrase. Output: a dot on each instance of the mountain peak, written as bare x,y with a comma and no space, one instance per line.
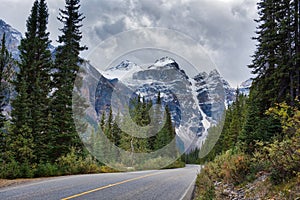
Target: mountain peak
125,65
164,61
214,72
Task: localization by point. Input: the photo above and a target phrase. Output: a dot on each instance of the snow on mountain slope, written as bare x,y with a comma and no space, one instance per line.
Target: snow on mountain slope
205,121
122,71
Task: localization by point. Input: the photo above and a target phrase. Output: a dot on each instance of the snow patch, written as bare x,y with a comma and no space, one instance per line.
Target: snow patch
206,123
123,71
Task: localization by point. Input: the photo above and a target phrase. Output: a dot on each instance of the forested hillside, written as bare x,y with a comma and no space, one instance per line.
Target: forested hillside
260,142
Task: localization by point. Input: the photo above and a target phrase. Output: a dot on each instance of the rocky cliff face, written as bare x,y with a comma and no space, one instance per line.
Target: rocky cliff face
13,38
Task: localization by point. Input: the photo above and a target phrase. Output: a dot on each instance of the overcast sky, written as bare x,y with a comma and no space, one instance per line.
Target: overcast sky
223,27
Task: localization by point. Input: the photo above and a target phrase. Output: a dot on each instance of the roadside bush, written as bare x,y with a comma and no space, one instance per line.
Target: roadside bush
47,169
230,167
88,165
283,159
13,169
68,164
74,164
205,189
27,170
284,155
153,163
106,169
10,170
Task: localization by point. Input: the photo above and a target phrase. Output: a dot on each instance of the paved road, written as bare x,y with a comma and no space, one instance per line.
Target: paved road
155,184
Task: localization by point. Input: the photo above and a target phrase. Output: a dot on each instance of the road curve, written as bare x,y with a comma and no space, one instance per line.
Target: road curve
171,184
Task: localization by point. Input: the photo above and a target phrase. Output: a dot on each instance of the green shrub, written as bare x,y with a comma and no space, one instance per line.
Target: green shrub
88,165
46,169
230,167
75,164
27,170
284,155
13,169
68,163
284,159
10,170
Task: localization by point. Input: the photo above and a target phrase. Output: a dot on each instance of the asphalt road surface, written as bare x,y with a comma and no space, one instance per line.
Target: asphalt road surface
171,184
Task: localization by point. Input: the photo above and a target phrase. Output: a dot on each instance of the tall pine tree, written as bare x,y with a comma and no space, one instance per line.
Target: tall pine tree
32,84
40,96
67,67
21,135
276,60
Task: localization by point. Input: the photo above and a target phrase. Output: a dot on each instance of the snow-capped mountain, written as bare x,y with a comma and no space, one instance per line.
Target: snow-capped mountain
195,102
13,38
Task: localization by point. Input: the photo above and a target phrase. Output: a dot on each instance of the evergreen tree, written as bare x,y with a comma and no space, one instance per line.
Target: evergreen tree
116,131
167,134
42,85
102,122
276,60
296,5
157,117
264,59
67,65
30,113
257,126
234,128
108,127
22,136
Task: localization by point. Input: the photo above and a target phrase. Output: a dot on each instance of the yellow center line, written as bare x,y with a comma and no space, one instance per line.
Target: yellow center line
108,186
